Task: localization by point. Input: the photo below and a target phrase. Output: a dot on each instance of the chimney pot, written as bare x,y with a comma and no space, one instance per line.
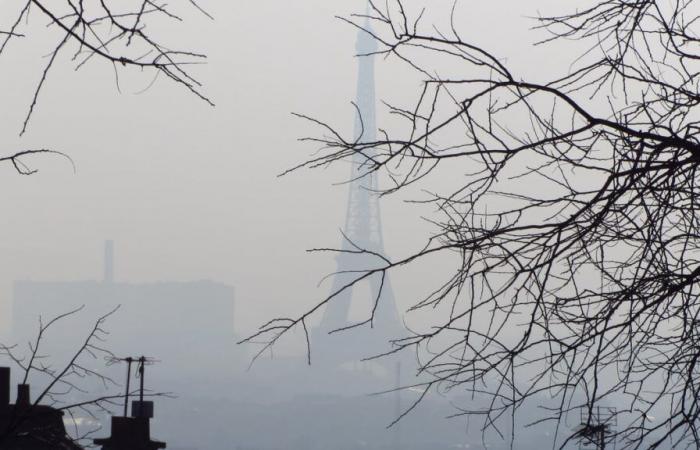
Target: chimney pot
142,409
4,387
23,395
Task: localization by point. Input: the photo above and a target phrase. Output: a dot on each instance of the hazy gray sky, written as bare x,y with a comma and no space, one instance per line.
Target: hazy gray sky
190,192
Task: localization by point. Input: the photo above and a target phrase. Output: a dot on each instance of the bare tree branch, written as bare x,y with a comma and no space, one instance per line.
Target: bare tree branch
574,218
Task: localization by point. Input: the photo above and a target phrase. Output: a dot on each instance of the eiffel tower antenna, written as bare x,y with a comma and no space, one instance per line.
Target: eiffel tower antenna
363,226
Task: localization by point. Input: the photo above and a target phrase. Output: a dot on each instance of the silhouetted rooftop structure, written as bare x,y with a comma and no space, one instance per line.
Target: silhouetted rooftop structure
133,432
25,426
130,433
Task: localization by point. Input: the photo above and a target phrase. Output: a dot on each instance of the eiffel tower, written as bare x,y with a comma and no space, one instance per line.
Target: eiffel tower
363,229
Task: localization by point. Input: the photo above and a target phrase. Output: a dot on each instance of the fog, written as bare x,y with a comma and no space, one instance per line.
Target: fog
190,193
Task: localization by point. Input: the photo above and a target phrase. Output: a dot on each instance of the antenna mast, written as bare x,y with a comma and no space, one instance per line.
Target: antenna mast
141,373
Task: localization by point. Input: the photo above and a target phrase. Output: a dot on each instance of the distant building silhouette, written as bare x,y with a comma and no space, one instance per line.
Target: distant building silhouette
187,326
109,261
181,323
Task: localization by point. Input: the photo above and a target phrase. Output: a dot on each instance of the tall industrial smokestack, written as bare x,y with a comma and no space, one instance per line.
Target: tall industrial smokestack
109,261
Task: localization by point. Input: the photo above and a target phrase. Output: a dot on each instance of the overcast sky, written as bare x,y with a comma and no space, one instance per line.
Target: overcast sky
191,192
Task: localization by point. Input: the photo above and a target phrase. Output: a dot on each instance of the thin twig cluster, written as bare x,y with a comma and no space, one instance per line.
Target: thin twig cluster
574,217
123,34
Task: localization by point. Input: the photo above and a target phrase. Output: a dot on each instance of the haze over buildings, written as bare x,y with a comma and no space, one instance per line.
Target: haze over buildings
190,193
189,326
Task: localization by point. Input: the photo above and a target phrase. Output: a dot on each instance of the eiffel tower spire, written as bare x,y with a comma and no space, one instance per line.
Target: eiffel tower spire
363,227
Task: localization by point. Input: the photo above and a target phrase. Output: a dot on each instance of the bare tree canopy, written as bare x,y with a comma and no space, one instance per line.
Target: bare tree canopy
123,34
573,220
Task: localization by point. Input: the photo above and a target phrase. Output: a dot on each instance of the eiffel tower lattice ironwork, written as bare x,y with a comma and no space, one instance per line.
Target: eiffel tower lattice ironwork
363,227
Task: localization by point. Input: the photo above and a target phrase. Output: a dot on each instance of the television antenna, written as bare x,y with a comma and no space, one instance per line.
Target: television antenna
140,372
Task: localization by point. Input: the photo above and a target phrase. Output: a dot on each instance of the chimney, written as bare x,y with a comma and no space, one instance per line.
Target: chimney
4,387
109,261
23,397
142,409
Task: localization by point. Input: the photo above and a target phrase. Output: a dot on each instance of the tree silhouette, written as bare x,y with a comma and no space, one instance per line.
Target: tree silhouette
123,34
572,215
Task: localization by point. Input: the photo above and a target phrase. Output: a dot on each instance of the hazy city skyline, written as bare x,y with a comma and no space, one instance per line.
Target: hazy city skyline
191,192
535,254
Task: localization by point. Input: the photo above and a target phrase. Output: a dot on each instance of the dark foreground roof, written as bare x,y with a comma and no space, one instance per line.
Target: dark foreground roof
33,428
